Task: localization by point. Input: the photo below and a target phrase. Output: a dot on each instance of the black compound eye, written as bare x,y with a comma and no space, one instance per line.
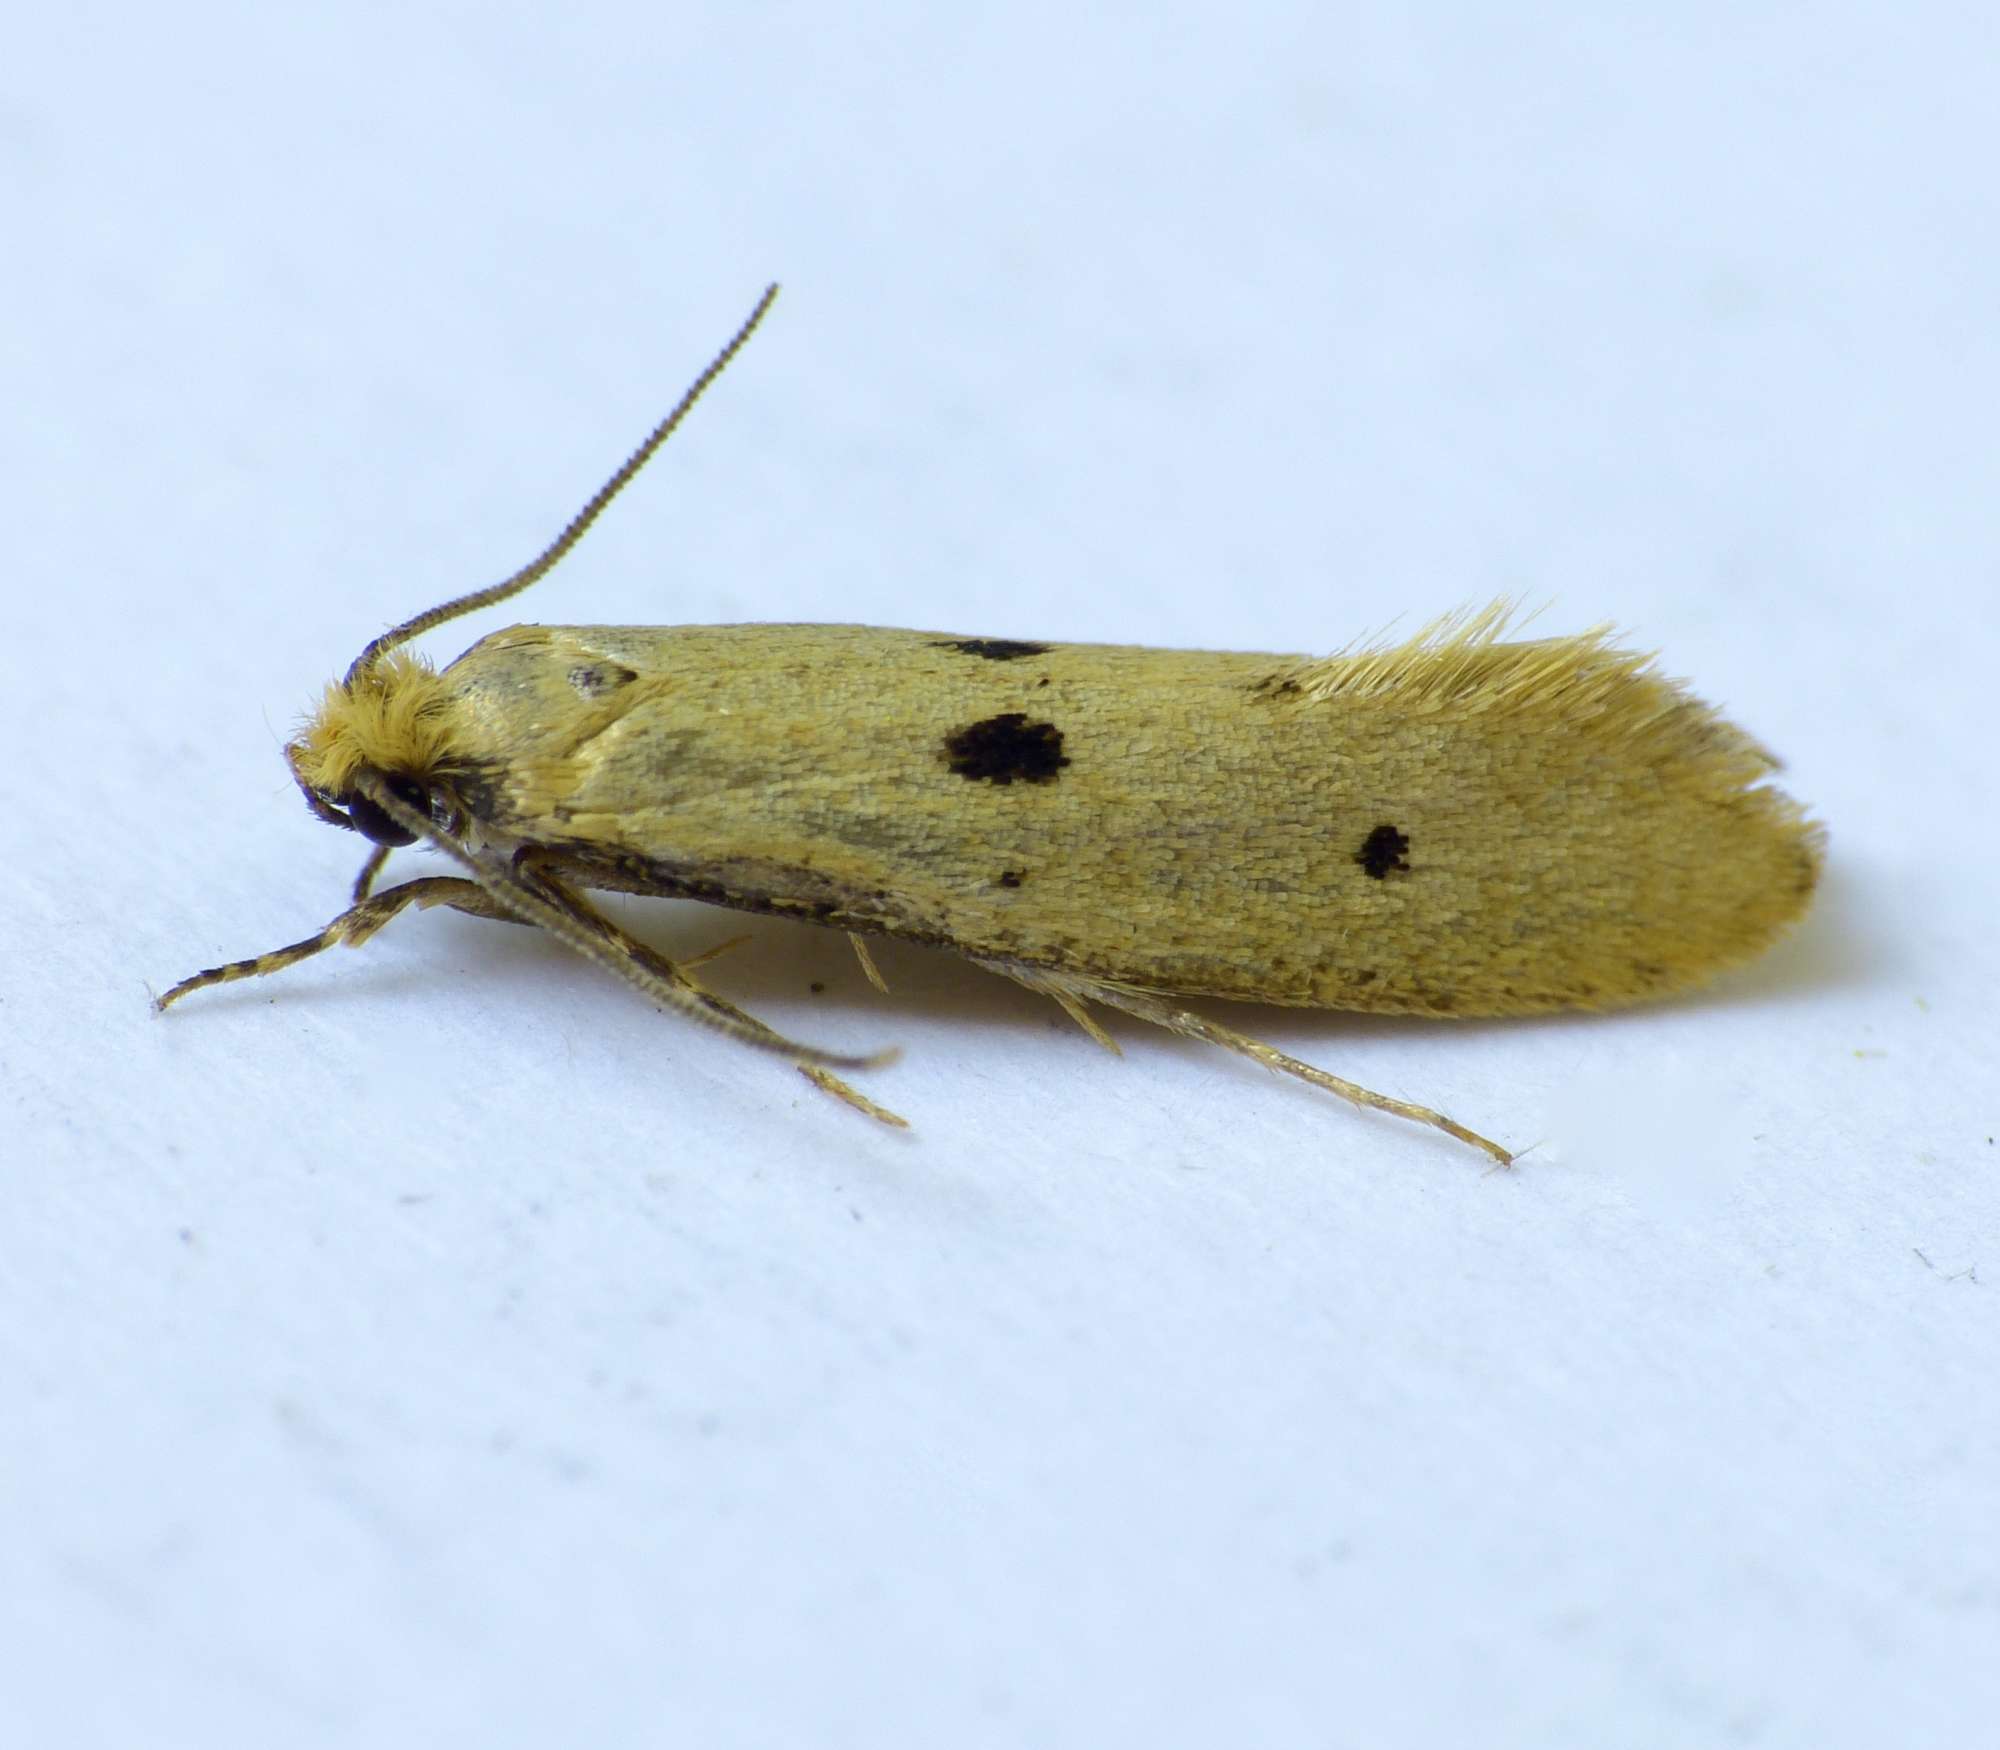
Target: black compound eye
410,793
372,819
371,822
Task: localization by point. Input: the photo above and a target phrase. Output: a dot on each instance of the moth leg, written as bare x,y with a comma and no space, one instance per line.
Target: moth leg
352,928
1166,1014
675,973
1070,1003
868,967
715,953
364,883
828,1082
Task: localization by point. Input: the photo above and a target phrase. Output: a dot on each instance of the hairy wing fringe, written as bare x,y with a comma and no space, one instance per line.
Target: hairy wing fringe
1585,683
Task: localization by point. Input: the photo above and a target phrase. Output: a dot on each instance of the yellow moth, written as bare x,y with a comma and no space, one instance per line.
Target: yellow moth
1454,825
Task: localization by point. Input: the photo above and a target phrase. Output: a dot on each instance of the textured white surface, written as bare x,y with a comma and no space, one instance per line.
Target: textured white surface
434,1346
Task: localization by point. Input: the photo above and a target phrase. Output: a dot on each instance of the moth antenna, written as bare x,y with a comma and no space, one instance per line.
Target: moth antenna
530,907
552,555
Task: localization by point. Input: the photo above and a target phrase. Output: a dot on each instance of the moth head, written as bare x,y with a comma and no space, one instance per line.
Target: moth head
384,730
380,743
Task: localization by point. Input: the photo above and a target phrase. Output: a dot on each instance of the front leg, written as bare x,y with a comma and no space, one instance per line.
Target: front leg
352,928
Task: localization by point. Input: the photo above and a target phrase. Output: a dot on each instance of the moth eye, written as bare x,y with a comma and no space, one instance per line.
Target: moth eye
415,796
371,822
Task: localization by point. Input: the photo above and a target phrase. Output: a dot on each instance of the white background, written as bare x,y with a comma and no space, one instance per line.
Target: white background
436,1346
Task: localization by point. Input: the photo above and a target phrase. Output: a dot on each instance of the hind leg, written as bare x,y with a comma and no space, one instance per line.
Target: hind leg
1072,992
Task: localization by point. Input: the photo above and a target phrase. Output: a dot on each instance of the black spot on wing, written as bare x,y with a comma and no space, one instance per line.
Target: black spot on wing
1010,878
993,649
1001,749
1382,850
595,679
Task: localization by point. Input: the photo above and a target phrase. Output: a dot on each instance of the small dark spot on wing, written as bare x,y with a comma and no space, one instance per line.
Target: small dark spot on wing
1001,749
1382,850
993,649
1011,878
595,679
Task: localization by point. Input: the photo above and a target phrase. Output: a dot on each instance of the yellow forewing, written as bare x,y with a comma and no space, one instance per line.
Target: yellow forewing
1455,825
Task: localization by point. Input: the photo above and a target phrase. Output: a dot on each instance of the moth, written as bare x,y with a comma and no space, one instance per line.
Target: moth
1454,825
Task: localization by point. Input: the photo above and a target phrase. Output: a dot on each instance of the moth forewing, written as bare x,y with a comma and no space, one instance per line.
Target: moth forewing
1457,824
